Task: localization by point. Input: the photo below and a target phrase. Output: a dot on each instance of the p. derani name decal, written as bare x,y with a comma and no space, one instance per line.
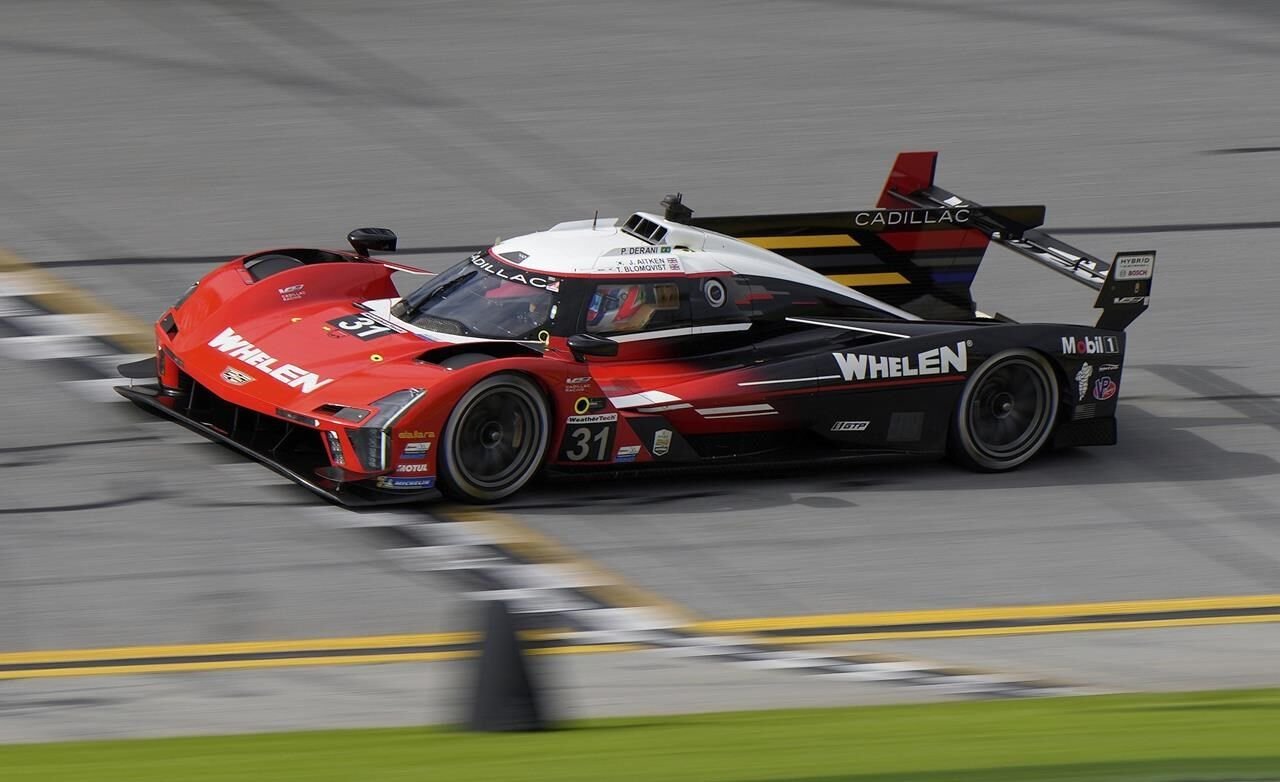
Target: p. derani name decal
293,376
938,361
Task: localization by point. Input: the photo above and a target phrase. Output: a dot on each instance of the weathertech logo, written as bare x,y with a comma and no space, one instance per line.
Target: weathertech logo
1089,346
939,361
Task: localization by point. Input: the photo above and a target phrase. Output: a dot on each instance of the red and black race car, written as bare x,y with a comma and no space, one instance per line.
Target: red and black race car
653,340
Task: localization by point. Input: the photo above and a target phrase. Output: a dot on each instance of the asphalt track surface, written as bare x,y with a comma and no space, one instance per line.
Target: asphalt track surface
141,142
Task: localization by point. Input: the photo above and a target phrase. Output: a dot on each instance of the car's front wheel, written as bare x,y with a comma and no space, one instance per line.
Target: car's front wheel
1006,412
494,440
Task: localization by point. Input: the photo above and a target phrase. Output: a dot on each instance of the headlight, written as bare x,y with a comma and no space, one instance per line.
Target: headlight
370,439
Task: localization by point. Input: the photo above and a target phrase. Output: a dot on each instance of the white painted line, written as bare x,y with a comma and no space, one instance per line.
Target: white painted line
442,558
98,389
452,533
10,307
340,519
51,346
84,325
552,576
639,619
25,283
870,676
534,601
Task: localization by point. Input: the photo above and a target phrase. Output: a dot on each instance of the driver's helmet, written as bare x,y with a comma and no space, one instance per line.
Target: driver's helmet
614,307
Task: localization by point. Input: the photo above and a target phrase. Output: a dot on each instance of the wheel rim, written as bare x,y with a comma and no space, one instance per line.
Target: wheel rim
497,438
1009,409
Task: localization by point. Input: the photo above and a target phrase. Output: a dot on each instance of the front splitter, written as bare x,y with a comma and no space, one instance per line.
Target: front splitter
150,398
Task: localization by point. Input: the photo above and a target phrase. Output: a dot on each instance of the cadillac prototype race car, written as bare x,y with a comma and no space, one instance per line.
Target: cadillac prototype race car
653,340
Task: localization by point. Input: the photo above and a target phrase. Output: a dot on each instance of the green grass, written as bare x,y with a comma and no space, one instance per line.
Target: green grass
1182,737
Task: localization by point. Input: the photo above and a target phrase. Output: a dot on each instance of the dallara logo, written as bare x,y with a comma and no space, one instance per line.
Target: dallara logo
235,377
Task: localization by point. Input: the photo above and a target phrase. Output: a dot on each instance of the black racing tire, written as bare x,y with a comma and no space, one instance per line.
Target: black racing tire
494,440
1006,412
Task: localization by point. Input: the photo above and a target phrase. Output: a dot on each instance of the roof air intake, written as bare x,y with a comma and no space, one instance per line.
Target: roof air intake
645,229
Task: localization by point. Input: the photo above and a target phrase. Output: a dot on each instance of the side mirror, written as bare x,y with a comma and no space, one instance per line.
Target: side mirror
380,240
591,345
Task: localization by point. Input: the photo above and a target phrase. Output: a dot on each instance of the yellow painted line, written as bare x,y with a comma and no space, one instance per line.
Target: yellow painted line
226,665
238,647
844,629
532,546
889,635
801,242
882,278
295,662
55,295
1006,613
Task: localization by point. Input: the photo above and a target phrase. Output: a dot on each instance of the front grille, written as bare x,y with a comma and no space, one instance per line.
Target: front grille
297,447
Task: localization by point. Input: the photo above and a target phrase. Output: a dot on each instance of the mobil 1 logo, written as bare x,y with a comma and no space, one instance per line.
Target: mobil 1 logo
361,326
589,438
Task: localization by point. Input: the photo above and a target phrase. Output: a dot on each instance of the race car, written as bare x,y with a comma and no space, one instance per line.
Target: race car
655,340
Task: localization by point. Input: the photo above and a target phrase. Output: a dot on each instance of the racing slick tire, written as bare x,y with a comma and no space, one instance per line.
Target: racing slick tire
1006,412
494,440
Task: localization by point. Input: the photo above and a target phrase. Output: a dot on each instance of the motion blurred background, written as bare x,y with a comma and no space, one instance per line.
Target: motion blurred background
142,142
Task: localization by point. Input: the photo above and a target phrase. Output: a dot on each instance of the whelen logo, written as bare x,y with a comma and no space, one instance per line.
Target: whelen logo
939,361
1089,346
236,346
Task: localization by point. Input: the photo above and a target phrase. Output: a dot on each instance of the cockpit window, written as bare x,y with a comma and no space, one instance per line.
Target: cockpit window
625,307
481,297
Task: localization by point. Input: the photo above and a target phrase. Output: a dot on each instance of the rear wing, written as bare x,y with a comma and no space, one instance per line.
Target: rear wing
1123,285
921,247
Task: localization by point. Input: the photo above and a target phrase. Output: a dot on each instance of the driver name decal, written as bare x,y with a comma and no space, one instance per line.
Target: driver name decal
938,361
238,347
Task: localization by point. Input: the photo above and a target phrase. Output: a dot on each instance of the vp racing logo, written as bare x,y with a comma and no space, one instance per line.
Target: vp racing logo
942,360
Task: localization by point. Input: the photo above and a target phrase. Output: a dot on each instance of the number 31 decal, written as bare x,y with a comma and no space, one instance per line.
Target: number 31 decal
588,442
360,326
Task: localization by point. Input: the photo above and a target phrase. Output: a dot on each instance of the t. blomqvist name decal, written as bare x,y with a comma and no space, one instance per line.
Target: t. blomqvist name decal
937,361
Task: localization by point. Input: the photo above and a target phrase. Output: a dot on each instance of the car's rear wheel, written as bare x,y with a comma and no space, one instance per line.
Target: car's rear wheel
494,440
1006,412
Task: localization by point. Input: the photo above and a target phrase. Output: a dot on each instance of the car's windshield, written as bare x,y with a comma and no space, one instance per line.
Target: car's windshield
482,297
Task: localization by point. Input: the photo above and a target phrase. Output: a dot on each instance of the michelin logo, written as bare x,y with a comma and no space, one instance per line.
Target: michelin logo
938,361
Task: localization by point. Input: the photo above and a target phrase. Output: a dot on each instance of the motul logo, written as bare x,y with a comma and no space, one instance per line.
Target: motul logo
1089,346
